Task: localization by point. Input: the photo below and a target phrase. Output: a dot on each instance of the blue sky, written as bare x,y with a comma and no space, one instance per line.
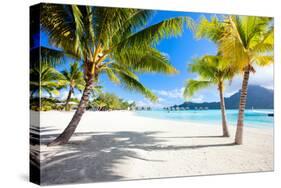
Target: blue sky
181,51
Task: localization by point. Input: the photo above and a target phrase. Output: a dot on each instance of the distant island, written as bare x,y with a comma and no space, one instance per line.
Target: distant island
258,98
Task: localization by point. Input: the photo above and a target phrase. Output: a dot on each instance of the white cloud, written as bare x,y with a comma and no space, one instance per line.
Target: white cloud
166,55
197,99
204,95
208,94
148,103
143,103
130,101
78,95
174,93
160,99
262,77
63,94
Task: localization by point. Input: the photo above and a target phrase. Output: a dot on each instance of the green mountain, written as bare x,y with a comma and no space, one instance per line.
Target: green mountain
258,98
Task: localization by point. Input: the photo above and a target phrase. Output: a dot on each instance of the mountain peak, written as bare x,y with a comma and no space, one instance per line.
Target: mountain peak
258,97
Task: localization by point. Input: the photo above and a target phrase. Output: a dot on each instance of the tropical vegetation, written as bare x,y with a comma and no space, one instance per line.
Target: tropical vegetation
244,42
110,101
248,42
48,77
111,41
73,80
213,70
45,104
120,44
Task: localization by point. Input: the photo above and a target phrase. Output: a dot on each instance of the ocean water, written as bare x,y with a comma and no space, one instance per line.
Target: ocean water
253,118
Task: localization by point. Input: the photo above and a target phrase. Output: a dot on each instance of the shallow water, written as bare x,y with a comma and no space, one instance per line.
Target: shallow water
253,118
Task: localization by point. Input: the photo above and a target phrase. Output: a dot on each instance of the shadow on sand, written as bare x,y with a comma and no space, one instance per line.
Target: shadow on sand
92,156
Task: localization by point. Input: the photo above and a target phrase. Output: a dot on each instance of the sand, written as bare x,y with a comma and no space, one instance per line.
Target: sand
113,146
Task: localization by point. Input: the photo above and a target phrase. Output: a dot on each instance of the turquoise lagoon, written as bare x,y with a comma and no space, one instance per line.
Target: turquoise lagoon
253,118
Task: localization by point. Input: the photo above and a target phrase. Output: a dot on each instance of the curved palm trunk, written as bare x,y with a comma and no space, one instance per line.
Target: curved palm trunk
242,105
68,97
64,137
223,114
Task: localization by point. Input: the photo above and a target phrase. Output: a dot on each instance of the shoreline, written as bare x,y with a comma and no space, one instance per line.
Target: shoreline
263,125
122,146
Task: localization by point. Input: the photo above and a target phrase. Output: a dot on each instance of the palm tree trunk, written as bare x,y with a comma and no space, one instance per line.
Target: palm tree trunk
223,114
242,105
64,137
68,97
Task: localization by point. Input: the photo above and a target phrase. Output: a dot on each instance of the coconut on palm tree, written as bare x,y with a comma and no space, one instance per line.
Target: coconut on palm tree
248,42
212,70
72,79
112,41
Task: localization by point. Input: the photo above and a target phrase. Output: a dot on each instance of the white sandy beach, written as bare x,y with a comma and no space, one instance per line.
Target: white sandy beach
111,146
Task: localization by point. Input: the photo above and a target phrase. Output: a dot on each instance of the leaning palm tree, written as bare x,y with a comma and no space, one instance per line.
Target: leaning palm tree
72,79
112,41
48,84
248,41
213,70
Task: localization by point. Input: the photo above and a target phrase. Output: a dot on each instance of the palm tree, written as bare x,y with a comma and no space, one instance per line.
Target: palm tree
213,70
248,42
112,41
72,79
48,76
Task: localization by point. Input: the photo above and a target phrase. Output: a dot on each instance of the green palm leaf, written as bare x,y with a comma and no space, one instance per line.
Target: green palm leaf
193,86
133,84
111,40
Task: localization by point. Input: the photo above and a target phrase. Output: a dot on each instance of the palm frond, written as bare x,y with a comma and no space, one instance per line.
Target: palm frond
79,29
246,38
149,61
47,55
62,23
192,86
112,76
134,85
153,34
211,29
264,60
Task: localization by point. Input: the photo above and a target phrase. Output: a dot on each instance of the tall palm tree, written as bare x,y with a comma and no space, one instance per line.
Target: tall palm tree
72,79
113,41
213,70
248,41
48,76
